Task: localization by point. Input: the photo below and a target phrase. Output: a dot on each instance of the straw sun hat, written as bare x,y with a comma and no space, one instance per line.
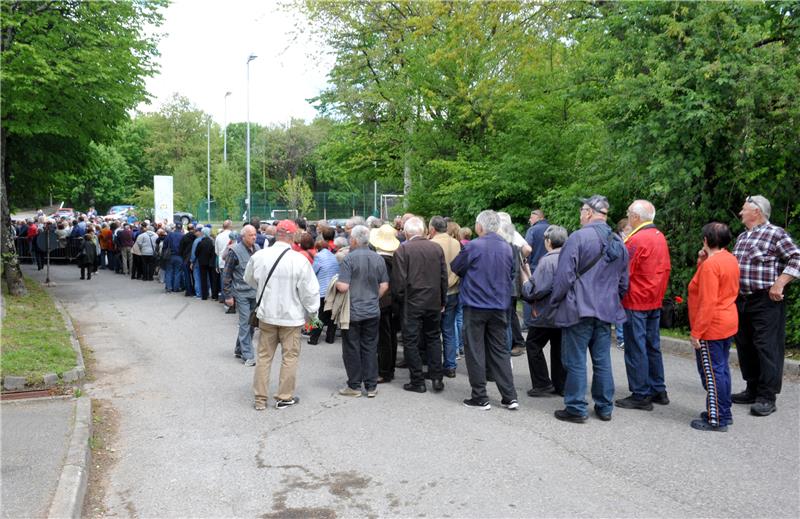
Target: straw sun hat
383,238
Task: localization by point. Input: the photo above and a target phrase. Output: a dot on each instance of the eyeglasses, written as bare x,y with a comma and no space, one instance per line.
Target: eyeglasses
605,213
751,200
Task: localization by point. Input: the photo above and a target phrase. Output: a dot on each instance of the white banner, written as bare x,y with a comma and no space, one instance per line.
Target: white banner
162,189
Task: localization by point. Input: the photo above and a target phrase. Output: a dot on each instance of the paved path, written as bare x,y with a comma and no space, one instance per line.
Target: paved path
191,444
35,438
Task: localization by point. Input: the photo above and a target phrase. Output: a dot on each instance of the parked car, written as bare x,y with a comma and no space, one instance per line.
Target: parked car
183,218
64,212
118,212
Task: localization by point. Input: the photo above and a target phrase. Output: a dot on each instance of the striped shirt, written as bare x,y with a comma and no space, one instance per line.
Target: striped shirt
325,267
765,252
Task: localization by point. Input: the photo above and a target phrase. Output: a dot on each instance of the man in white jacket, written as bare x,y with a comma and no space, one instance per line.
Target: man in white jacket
291,295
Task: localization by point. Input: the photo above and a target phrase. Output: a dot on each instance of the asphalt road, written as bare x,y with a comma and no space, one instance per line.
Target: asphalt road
190,443
30,428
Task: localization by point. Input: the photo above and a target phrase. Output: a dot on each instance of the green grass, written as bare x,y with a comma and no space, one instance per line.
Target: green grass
35,339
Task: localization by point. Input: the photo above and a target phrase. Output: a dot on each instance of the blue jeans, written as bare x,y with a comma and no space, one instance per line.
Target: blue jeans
244,338
198,292
459,326
595,335
712,364
620,336
449,340
174,273
643,361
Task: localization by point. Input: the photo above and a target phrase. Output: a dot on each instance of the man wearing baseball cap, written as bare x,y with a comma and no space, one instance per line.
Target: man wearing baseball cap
590,281
289,292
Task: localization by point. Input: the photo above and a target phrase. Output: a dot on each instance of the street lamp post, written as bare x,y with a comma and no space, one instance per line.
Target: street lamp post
225,131
249,59
208,168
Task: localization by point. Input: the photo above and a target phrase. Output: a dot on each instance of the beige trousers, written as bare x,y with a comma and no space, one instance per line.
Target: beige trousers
270,336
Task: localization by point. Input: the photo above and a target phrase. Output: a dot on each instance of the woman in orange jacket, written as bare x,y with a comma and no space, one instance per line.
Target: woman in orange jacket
714,321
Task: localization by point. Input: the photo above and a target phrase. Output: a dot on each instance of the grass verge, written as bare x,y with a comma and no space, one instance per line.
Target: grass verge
35,339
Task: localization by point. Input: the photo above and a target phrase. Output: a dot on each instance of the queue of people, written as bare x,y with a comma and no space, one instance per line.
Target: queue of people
451,297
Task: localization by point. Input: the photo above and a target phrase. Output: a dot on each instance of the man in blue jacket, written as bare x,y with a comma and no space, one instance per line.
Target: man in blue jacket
590,281
485,267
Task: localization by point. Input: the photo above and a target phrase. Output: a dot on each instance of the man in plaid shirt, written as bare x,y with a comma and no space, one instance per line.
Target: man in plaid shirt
768,261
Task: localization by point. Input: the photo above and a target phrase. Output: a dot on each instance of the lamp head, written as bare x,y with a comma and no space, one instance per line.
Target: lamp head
251,58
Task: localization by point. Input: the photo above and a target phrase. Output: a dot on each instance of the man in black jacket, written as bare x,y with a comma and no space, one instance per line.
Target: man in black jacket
185,251
419,283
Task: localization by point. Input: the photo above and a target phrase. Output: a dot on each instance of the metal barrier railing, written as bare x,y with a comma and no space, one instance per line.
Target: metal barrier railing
66,254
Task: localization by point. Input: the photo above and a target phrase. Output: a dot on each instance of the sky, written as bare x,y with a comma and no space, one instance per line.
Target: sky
204,53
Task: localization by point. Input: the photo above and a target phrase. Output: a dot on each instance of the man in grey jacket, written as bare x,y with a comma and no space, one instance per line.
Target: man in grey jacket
591,279
236,288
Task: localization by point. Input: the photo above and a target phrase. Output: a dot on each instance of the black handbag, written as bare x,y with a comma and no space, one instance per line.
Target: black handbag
254,312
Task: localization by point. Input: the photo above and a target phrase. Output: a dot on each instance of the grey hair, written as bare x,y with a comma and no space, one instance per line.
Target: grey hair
761,203
340,242
488,220
644,209
557,236
414,226
360,234
373,222
438,223
355,220
507,231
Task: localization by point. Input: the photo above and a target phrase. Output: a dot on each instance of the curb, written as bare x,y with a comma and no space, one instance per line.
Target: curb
14,383
80,368
71,489
683,348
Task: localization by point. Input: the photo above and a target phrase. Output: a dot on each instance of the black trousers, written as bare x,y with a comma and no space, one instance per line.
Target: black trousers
148,267
86,271
516,331
760,343
205,280
485,347
537,364
387,344
423,326
360,353
325,317
136,266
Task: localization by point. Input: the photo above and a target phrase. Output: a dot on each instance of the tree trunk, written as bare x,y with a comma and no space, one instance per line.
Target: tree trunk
11,270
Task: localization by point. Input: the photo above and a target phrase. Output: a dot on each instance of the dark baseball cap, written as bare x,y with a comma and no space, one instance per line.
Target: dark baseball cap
598,203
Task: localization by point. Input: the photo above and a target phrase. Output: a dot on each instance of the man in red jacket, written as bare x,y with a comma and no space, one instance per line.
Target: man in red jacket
649,274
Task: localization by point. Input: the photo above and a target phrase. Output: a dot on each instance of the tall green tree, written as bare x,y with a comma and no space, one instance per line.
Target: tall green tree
70,71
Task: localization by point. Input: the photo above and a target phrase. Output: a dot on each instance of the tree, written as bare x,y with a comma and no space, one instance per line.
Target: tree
297,195
70,72
227,187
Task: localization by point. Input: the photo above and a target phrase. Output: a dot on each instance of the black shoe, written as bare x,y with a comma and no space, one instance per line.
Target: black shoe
489,378
313,341
483,405
660,398
402,364
415,388
632,402
450,373
541,391
283,404
511,405
237,354
763,408
330,341
426,375
384,380
704,417
566,416
606,417
702,425
230,310
438,386
745,397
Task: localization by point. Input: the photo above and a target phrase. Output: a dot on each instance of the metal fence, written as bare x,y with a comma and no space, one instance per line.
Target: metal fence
327,205
66,254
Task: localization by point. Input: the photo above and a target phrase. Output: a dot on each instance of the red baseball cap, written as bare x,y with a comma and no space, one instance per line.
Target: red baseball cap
287,227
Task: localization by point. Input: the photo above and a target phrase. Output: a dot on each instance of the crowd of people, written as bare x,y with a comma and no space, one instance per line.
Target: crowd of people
451,297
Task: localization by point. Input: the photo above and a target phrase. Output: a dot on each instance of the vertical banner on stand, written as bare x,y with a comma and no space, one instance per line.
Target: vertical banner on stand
162,190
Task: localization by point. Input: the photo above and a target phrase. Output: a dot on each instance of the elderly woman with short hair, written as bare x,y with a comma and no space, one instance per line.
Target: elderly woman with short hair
536,291
714,321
